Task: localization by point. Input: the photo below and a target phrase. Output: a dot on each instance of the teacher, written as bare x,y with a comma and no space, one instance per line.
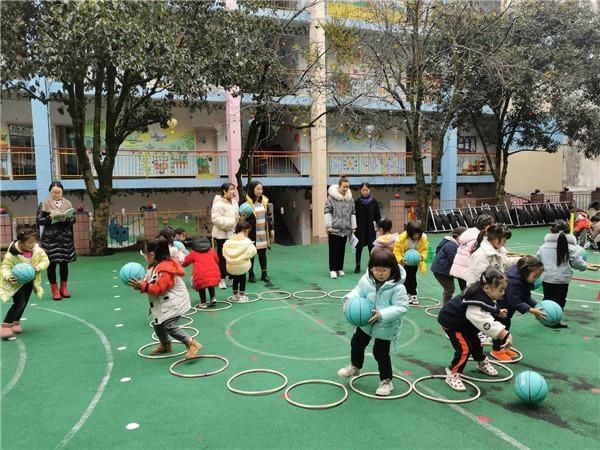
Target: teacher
340,222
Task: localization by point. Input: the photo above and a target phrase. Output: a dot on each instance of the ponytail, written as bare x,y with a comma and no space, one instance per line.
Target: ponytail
479,240
562,249
491,276
160,248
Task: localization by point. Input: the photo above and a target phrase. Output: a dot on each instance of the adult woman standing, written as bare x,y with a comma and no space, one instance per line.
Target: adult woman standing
55,214
340,221
367,218
224,215
261,221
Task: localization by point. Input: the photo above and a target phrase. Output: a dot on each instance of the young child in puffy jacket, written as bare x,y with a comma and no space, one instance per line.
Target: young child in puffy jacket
205,271
442,262
238,252
386,238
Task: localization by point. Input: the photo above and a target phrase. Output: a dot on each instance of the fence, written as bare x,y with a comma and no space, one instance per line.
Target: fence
374,164
17,163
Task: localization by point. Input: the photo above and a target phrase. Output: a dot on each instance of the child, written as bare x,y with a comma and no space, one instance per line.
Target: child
180,235
491,253
467,314
175,253
468,242
168,296
382,286
205,273
595,235
518,298
24,250
238,251
386,238
412,238
444,257
559,254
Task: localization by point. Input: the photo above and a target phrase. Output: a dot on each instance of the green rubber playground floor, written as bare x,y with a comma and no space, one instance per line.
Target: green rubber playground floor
74,380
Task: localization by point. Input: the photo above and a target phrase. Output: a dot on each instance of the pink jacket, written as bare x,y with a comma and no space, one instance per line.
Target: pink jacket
466,242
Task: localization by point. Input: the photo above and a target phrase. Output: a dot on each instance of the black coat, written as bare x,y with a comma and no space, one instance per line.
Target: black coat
365,216
57,239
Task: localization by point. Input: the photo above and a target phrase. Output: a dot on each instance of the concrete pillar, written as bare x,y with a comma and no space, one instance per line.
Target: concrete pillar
151,225
397,215
233,124
449,169
318,135
81,233
42,138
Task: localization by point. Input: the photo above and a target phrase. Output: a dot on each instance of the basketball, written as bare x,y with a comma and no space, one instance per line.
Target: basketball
537,283
412,257
23,272
531,387
246,210
358,311
178,245
131,271
552,311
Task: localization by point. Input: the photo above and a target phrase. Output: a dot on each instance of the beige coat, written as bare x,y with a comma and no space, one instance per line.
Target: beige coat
224,215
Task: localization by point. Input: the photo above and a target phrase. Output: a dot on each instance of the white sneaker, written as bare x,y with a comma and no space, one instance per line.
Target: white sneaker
222,284
333,274
243,299
413,300
453,380
486,367
349,371
212,302
202,305
340,273
385,387
484,338
235,298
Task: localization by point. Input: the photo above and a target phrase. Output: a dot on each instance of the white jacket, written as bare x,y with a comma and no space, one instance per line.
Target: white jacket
238,251
224,215
485,256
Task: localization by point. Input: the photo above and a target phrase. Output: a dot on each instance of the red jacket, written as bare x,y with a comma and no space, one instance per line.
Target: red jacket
206,271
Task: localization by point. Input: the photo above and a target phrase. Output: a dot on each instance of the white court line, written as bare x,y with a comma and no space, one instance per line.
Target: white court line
578,300
20,368
109,366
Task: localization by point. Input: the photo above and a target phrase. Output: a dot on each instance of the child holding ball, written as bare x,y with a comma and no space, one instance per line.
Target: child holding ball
168,296
382,287
24,250
467,314
413,238
238,252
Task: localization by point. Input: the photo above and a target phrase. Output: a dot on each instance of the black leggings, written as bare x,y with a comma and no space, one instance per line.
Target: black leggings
218,244
202,292
381,352
239,283
337,249
411,279
262,260
359,249
20,300
556,292
64,271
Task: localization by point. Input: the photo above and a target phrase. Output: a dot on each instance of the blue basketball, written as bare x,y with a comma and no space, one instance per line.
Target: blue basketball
246,210
358,311
412,257
531,387
23,272
552,311
537,283
132,271
179,245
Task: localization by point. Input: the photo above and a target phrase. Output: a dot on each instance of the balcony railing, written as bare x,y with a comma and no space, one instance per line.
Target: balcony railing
149,164
375,164
473,164
286,4
280,164
17,163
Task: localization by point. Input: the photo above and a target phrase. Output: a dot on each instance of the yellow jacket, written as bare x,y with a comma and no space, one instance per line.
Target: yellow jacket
39,261
401,246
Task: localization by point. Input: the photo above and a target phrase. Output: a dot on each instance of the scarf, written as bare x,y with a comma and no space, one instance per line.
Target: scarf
49,205
366,200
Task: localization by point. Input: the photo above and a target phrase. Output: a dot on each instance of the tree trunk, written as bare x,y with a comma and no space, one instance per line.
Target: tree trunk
99,242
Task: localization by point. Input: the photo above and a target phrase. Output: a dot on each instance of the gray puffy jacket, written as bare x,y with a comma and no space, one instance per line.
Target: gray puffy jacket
560,274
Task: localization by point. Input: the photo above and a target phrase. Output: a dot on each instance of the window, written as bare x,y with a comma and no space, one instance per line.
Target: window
22,150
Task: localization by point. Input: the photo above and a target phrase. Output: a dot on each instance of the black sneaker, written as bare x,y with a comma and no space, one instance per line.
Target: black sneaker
251,278
265,278
357,269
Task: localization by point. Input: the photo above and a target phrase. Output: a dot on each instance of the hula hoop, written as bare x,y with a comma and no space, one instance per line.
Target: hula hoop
265,392
209,309
201,374
323,406
347,291
441,399
429,308
491,380
185,316
380,397
437,303
516,359
319,292
191,311
285,295
231,300
161,356
186,327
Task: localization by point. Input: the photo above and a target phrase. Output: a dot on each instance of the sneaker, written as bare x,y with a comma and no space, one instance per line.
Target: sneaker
6,331
17,328
251,278
193,347
160,349
222,284
349,371
510,353
202,305
484,338
212,302
385,387
340,273
333,274
235,298
486,367
560,325
357,269
413,300
501,355
453,380
243,299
